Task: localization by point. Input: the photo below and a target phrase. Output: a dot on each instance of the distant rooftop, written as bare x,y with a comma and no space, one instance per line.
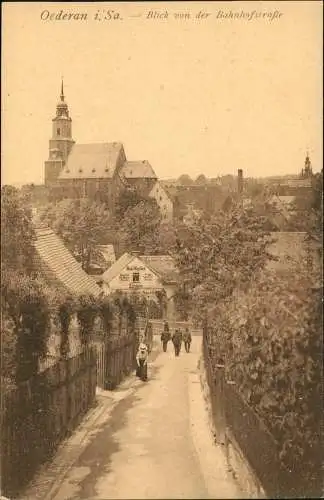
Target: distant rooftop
138,169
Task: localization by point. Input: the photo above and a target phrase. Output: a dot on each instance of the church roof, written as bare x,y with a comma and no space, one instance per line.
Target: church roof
58,265
138,169
92,161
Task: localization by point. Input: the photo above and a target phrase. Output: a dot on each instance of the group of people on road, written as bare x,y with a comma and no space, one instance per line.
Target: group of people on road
177,338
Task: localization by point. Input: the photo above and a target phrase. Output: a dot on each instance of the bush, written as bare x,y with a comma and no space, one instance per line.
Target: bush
270,338
25,302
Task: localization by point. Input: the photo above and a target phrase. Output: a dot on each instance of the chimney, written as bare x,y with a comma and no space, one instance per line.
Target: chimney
240,181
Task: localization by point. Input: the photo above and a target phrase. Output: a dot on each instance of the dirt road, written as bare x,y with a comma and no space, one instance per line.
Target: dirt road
156,442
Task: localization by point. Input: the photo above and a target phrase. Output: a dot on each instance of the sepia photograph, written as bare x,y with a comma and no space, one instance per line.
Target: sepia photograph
161,250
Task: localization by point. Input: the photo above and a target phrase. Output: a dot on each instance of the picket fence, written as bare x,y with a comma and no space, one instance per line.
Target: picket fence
41,412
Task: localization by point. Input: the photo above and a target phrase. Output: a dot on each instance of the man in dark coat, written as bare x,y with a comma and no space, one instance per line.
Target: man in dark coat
165,336
177,340
187,339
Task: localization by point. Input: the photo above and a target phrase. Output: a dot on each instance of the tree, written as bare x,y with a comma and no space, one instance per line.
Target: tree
26,304
17,231
201,180
218,254
185,180
128,198
139,225
24,301
82,224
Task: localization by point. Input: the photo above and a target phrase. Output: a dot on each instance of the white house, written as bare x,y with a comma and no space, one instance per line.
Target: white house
145,274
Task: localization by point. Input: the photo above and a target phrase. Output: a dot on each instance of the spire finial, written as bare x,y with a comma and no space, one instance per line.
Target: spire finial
62,91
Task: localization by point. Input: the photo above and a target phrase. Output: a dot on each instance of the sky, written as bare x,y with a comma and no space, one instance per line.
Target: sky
189,95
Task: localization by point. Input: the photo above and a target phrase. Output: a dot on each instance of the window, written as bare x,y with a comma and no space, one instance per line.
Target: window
58,131
136,277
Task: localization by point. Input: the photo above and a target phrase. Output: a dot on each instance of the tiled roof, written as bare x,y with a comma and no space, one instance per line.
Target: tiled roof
138,169
282,200
163,265
90,161
59,265
117,267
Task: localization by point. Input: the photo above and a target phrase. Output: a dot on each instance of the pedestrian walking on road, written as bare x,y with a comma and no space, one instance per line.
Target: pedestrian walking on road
187,340
165,336
177,340
141,359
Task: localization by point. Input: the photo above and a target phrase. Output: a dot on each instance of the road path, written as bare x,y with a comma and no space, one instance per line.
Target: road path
155,443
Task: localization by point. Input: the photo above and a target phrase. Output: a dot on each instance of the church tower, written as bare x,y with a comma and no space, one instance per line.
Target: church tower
61,142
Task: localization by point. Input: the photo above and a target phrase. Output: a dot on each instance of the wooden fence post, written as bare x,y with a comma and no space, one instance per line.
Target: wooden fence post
220,402
107,365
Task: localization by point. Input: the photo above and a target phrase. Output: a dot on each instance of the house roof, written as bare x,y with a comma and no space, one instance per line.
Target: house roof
59,265
117,267
138,169
88,161
163,265
282,200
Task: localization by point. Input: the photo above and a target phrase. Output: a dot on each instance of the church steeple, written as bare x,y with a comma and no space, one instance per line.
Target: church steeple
62,91
307,171
61,142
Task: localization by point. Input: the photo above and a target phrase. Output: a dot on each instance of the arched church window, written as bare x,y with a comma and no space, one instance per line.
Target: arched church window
58,131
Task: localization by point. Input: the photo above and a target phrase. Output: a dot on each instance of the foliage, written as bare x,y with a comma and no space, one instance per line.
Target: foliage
128,198
25,305
139,226
185,180
161,241
65,312
201,180
25,302
181,299
8,349
218,254
270,338
268,333
162,301
106,312
87,311
82,224
17,232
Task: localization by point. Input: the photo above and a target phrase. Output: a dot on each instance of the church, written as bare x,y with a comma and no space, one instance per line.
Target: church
99,171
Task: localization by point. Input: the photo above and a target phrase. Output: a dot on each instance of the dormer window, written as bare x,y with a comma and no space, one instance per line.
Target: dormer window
58,131
80,170
93,170
67,171
106,170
